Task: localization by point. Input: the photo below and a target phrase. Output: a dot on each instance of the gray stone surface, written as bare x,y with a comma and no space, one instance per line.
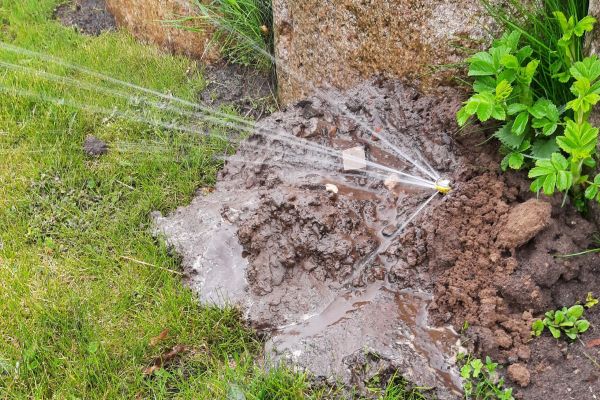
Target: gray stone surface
341,42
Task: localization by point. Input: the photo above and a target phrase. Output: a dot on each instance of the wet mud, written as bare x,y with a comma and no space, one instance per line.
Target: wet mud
322,270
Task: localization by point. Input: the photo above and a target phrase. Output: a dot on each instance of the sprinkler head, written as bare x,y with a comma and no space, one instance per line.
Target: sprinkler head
442,185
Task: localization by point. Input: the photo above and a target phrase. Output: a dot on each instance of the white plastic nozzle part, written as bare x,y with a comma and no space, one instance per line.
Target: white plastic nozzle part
354,158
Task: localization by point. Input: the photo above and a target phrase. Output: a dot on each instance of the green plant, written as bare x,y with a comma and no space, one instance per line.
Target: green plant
243,30
578,140
566,320
541,30
503,77
481,381
557,143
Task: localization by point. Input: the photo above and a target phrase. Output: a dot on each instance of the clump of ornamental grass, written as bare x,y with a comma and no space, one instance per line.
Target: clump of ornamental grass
243,30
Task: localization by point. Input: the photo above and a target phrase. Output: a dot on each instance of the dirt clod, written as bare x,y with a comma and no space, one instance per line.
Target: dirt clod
94,147
519,374
523,222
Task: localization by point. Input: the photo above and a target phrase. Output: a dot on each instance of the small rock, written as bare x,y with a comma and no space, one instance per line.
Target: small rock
94,147
519,374
314,127
330,187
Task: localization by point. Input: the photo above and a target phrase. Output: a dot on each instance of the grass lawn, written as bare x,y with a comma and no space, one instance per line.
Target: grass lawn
85,286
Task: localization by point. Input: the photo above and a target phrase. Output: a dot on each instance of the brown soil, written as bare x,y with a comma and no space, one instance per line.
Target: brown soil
90,17
249,91
485,251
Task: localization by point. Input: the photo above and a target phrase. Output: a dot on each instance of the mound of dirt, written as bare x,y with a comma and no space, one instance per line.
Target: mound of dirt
90,17
325,273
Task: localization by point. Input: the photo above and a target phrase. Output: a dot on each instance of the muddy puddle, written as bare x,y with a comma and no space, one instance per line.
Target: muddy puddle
314,256
298,243
373,319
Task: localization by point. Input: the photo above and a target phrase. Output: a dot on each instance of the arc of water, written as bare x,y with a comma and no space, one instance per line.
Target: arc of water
316,163
331,101
88,86
287,138
321,93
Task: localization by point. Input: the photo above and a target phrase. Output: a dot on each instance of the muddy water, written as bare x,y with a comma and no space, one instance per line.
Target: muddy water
408,315
313,268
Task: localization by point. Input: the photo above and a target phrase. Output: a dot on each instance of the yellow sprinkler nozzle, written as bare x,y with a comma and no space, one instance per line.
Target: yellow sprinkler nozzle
442,185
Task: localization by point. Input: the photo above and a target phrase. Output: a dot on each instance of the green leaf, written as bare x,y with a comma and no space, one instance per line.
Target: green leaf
528,72
524,53
520,123
559,317
465,371
515,160
498,112
462,116
544,108
484,84
588,68
549,184
503,90
562,20
510,61
497,53
481,104
578,140
559,162
548,173
575,312
555,332
509,40
571,335
591,192
544,148
516,108
507,138
477,365
589,162
564,180
549,128
537,327
509,75
585,25
582,325
481,64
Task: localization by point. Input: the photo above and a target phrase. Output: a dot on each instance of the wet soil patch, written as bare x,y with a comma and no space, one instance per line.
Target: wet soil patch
323,273
90,17
249,91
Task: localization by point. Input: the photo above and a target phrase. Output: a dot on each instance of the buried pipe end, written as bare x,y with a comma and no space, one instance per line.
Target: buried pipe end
442,185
